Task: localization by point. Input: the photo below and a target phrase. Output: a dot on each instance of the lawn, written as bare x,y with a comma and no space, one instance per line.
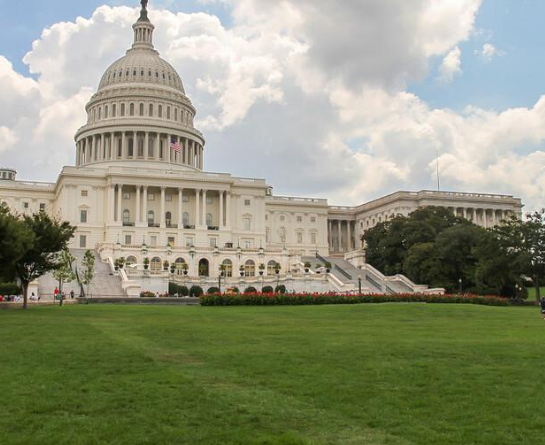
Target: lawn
392,374
532,293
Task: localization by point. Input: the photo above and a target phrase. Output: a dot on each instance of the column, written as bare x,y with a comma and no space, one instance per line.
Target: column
146,146
221,224
349,236
138,214
228,209
330,235
157,145
464,210
145,206
191,153
339,222
123,145
202,158
168,150
203,220
180,208
186,151
197,207
101,148
119,199
179,154
111,203
163,191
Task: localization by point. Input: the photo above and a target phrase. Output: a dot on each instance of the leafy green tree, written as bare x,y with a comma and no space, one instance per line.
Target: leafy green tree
15,240
64,272
88,264
49,238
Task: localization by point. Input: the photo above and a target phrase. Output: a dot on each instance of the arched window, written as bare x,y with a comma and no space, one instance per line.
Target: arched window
141,147
141,109
114,110
204,268
168,219
168,112
160,111
130,264
126,217
150,111
176,114
186,219
106,112
228,268
99,113
119,148
209,219
271,267
131,109
282,234
151,218
122,110
249,268
156,265
180,266
151,145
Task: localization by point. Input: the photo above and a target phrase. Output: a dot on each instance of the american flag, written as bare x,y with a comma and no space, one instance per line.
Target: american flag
175,145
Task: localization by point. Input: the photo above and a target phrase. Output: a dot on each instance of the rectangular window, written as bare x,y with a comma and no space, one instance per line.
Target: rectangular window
84,193
128,240
25,205
82,241
151,197
299,238
247,244
247,224
153,241
213,242
189,241
126,196
171,241
168,198
313,238
42,207
208,200
83,216
185,198
313,219
299,219
247,202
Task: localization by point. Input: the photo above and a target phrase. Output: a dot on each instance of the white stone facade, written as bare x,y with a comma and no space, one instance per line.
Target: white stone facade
132,194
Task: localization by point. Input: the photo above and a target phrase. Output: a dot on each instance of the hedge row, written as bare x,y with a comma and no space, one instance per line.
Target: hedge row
259,299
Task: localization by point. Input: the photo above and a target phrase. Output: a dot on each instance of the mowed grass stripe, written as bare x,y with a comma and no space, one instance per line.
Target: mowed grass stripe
392,374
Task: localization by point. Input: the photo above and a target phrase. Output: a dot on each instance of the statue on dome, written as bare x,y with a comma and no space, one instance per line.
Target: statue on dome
144,11
144,4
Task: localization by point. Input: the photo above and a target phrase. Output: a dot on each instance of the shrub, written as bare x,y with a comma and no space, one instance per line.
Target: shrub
332,298
196,291
147,294
280,289
9,289
213,291
174,288
268,290
250,290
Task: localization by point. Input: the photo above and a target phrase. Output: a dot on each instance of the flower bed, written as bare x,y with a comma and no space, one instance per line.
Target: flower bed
259,299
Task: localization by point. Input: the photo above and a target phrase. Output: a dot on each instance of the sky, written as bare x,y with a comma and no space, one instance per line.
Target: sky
346,100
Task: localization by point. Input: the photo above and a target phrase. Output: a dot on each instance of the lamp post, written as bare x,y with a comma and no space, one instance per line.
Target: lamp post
460,286
192,253
359,285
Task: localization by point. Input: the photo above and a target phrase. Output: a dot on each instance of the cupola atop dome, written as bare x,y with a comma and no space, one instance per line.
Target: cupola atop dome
142,63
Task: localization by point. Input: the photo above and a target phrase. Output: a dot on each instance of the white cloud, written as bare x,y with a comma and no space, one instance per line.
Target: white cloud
451,66
316,107
488,52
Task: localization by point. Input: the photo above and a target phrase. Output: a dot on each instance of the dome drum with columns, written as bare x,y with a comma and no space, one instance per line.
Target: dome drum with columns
139,110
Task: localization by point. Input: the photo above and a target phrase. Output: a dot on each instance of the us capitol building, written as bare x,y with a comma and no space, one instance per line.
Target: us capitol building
139,191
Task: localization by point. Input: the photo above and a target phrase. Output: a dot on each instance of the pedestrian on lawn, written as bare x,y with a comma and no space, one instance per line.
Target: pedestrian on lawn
542,304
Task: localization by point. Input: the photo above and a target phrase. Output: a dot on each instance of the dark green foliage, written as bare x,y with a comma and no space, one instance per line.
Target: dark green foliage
250,290
268,290
9,289
15,240
280,289
213,290
147,294
196,291
174,288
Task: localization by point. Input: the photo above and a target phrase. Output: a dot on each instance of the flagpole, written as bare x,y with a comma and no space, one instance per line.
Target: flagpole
437,166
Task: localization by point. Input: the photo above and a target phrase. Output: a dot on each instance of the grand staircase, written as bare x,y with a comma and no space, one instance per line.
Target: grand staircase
104,284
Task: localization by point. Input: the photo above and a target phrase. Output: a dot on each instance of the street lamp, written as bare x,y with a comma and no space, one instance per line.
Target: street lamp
359,285
460,286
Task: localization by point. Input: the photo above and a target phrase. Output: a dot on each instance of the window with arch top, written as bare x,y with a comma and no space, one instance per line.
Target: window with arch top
126,216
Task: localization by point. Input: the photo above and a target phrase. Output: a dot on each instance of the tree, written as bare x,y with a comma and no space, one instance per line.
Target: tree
15,240
64,272
49,237
88,265
524,240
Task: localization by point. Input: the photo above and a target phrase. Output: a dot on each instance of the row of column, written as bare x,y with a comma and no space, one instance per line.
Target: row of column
344,244
139,145
473,214
115,205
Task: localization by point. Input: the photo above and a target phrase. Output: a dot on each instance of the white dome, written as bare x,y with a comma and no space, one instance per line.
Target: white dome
142,66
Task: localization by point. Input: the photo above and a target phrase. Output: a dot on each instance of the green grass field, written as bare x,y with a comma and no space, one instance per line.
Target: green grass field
532,293
372,374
